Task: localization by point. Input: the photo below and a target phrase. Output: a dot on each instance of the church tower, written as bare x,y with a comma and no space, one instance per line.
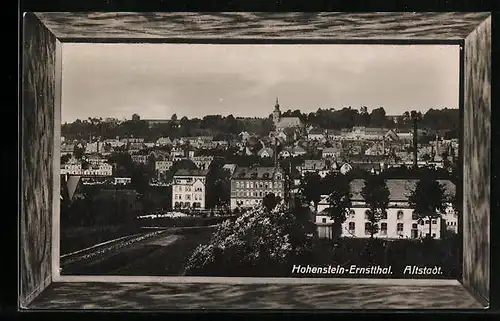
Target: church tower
276,112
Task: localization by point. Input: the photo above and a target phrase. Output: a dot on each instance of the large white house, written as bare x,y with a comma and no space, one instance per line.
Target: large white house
189,188
75,167
163,166
400,221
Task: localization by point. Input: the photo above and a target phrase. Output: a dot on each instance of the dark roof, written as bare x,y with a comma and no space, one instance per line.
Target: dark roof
317,131
191,172
255,172
399,189
375,130
361,158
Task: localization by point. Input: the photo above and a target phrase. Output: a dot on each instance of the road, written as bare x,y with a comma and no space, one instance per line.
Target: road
152,253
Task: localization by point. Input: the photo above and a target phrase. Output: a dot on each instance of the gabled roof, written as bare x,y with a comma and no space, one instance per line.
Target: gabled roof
255,172
316,131
269,151
399,189
191,172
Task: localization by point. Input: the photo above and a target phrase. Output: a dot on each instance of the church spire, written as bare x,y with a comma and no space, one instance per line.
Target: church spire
277,106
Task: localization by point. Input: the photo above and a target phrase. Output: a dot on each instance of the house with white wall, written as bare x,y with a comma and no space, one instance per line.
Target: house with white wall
399,223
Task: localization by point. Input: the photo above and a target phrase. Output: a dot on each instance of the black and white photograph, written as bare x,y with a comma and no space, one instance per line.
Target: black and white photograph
222,169
260,160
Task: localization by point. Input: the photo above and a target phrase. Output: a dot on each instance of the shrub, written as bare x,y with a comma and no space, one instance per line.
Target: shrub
259,242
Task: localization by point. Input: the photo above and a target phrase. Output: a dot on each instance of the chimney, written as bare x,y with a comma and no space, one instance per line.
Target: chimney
437,145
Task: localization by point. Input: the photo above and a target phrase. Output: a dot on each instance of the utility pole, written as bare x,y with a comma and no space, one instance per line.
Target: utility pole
415,119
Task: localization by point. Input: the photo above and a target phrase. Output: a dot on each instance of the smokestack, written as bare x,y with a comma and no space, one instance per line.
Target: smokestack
415,143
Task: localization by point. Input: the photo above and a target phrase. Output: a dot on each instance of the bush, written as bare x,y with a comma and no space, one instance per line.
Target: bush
257,243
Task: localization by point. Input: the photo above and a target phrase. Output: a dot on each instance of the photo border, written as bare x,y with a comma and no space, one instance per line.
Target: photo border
45,34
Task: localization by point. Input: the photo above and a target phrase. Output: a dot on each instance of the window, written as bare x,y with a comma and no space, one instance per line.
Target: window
383,228
433,234
414,231
400,227
414,216
367,215
271,185
384,216
400,215
248,184
422,222
251,184
352,227
367,228
434,222
352,213
324,220
427,221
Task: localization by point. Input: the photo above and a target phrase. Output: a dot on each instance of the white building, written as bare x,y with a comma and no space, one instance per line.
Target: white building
75,167
92,148
139,159
122,180
189,189
266,152
400,221
202,162
331,152
163,165
164,141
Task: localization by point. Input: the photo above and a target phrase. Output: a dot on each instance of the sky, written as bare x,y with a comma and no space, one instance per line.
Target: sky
194,80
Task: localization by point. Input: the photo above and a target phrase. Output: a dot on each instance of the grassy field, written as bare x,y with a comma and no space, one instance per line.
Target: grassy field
161,256
74,239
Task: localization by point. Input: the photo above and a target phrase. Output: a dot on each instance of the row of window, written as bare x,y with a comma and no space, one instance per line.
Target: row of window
265,185
400,216
254,194
180,188
383,227
248,202
196,197
187,204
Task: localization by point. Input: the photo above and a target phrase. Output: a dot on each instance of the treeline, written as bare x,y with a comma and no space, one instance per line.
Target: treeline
225,127
221,128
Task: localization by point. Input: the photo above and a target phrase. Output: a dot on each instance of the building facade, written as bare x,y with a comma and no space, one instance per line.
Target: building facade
400,222
249,186
189,189
163,166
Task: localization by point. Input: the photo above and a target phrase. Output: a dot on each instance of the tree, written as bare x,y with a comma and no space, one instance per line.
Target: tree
428,200
78,152
218,182
310,188
270,201
174,117
256,243
65,158
136,117
376,195
377,117
339,202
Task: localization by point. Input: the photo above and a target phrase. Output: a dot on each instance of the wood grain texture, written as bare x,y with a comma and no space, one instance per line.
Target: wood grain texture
477,164
39,47
244,25
157,296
